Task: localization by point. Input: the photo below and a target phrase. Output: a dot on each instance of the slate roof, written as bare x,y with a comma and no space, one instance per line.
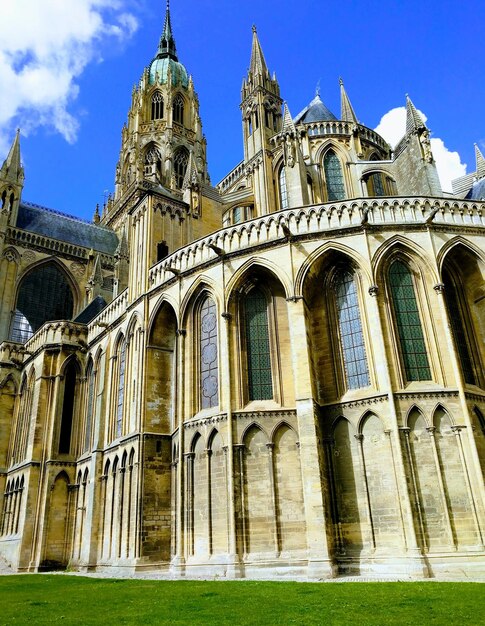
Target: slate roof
90,312
43,221
316,111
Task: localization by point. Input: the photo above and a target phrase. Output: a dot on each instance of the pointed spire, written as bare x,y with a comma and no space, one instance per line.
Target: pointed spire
97,275
288,124
166,47
96,217
414,121
480,162
347,113
12,169
258,63
122,249
191,174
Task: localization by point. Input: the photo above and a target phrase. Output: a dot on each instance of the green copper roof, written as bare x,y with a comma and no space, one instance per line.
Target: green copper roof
159,72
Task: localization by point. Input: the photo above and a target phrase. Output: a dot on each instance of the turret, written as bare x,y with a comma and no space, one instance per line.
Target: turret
11,182
261,115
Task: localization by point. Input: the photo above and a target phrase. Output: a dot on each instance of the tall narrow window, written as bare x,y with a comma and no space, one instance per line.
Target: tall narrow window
21,440
458,329
375,185
68,408
333,176
283,191
260,383
180,163
178,109
121,387
209,370
350,330
408,322
157,106
89,408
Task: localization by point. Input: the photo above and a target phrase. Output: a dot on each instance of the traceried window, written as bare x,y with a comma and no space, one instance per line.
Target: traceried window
283,190
455,313
88,426
157,106
375,185
180,163
408,322
209,367
19,450
350,331
178,109
68,403
260,383
333,176
120,387
44,294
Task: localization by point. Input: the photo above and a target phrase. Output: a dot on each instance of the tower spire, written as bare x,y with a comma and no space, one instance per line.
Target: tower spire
414,121
166,47
347,113
258,62
480,162
12,168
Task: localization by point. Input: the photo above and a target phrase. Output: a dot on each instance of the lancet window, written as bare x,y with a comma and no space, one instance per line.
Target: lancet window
260,382
351,336
209,365
178,109
180,163
157,106
408,322
333,176
283,189
120,387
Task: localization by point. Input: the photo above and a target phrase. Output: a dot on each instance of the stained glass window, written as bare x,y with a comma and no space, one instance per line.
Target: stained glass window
67,409
209,371
351,335
458,329
375,185
178,109
157,106
121,388
333,176
283,190
89,408
260,384
408,322
44,295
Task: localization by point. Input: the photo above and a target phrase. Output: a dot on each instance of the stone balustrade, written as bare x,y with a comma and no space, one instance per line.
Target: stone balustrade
326,218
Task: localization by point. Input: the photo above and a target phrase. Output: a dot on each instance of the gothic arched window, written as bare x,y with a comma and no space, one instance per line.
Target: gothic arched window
180,163
282,187
209,366
21,440
67,416
455,312
260,380
88,426
120,387
333,176
376,185
44,295
408,322
350,331
178,109
157,106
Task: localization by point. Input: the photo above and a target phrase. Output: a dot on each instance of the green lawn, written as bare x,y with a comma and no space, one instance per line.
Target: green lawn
47,599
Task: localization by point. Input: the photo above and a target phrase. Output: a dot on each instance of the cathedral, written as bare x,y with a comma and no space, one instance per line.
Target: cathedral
281,375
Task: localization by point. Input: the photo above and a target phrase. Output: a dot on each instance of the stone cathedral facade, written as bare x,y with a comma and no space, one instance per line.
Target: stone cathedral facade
280,375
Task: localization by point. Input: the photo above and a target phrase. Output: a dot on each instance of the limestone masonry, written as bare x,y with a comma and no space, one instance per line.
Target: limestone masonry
280,375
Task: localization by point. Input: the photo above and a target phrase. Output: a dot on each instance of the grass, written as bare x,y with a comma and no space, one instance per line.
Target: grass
48,599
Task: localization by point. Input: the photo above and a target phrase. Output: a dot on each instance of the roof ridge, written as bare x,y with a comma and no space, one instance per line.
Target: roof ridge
74,218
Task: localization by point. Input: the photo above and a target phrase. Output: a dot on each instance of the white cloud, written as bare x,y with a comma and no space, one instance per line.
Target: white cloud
44,48
393,127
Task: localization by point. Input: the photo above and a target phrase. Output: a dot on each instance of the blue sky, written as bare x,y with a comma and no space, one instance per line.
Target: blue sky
67,71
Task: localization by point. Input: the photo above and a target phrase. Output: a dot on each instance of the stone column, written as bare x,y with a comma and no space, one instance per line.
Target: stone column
320,562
